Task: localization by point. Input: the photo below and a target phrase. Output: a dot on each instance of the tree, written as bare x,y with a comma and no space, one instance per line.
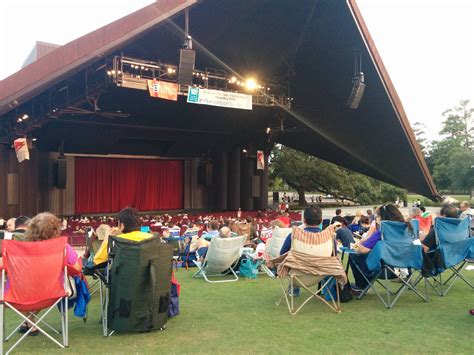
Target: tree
305,173
419,131
451,157
458,124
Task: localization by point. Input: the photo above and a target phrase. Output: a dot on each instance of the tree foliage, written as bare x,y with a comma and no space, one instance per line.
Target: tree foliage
305,173
451,158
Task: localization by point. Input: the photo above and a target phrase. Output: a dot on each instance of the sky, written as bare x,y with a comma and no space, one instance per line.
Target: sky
427,46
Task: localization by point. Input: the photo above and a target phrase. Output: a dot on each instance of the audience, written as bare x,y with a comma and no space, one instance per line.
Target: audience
388,212
344,234
466,210
11,225
338,214
21,224
128,228
43,227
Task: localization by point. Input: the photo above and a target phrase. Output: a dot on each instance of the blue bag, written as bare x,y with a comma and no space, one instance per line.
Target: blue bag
248,268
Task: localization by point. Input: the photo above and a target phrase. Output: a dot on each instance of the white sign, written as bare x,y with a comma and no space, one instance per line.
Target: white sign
219,98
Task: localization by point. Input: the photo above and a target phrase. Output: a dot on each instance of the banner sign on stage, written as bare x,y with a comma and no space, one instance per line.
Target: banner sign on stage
219,98
21,149
260,160
163,89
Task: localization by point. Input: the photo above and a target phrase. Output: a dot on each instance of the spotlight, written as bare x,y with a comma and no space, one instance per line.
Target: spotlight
34,139
251,84
25,116
113,72
233,80
268,130
19,120
244,151
109,73
170,70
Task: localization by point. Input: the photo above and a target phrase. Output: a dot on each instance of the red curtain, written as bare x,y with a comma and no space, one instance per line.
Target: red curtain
106,185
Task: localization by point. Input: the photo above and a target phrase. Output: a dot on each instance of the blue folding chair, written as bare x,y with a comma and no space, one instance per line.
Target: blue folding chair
416,228
395,250
456,248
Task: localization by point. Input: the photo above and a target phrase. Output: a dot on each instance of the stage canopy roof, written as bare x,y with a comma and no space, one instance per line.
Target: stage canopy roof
310,48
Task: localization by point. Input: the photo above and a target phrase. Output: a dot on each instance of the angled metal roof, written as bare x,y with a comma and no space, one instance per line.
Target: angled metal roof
310,45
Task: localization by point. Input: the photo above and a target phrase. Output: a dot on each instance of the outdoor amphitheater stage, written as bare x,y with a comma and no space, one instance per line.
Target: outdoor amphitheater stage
118,118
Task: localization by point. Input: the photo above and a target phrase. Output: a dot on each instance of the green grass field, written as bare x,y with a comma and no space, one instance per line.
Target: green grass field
242,317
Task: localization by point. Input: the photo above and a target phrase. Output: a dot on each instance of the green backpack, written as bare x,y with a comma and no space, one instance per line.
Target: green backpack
140,284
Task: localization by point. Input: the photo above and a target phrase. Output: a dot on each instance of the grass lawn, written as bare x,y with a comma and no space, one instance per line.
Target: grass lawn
413,197
242,317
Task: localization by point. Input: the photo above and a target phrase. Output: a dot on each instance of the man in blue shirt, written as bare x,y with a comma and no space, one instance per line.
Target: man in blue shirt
312,217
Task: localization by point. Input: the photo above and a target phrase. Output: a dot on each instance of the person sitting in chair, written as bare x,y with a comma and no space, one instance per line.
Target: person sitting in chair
388,212
128,228
46,226
312,218
21,223
431,258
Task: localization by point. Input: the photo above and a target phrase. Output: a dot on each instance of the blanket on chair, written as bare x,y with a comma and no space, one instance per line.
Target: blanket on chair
309,264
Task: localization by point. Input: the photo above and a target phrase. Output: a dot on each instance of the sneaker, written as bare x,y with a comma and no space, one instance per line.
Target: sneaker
356,288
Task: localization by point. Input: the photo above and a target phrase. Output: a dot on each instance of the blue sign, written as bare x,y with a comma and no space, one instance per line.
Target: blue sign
193,95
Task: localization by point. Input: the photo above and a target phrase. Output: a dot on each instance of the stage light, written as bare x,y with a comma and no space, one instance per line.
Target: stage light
233,80
34,139
19,120
251,84
25,116
268,130
244,151
109,73
113,72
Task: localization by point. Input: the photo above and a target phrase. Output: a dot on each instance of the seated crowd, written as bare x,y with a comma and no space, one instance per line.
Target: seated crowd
360,232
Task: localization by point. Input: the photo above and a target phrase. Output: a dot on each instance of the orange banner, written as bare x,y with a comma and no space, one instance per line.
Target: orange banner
163,89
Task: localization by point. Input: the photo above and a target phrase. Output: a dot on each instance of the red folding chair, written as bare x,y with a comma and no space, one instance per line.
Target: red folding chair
36,275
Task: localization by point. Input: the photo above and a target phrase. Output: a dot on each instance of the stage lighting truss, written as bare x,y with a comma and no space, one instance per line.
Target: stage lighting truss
134,73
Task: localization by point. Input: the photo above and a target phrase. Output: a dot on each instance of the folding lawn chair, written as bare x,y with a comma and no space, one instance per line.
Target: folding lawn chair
273,247
313,265
34,278
221,258
395,250
416,228
457,249
92,245
137,284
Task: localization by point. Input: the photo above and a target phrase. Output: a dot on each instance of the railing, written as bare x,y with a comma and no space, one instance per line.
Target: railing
134,73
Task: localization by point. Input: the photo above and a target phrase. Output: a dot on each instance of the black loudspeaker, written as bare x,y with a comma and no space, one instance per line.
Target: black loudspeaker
60,176
357,92
186,66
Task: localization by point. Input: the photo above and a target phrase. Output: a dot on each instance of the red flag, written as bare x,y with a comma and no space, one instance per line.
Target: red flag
260,160
21,149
